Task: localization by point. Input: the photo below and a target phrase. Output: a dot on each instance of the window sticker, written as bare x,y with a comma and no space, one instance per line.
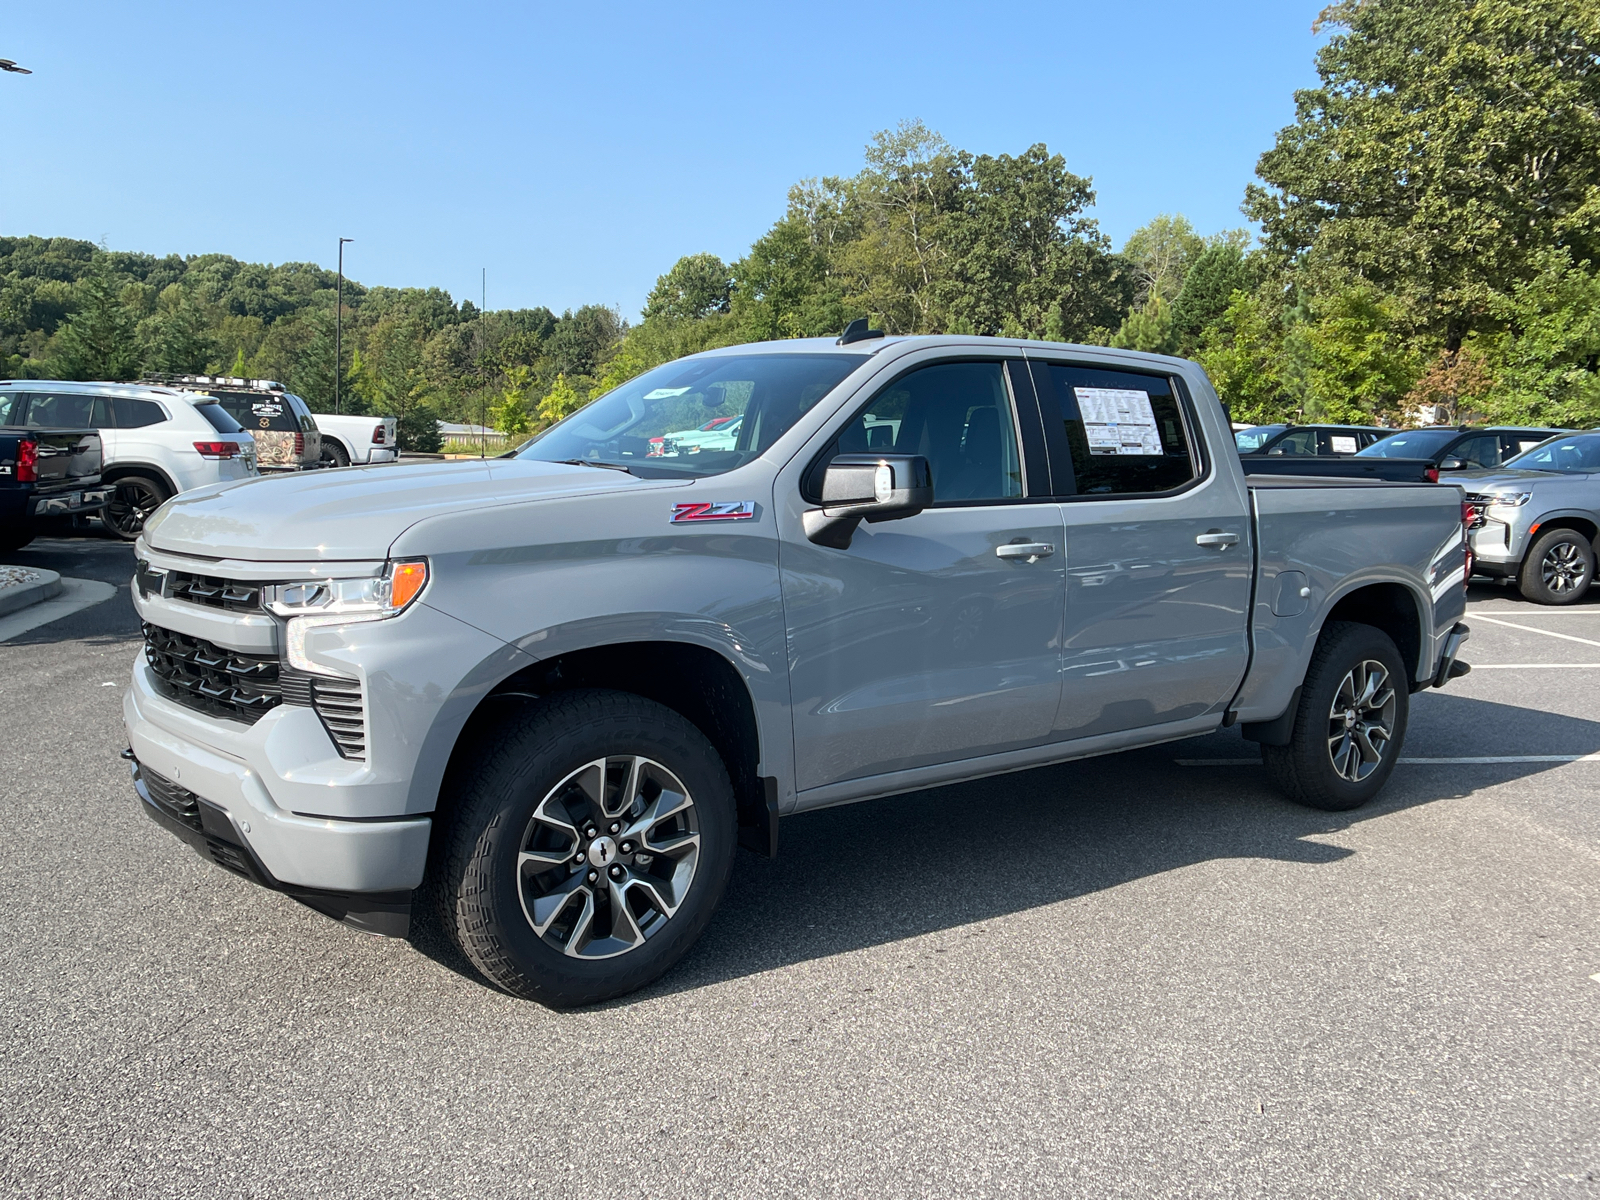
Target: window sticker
266,409
663,393
1342,444
1118,421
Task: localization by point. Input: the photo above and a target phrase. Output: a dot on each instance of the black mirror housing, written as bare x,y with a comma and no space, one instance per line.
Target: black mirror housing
1450,463
867,487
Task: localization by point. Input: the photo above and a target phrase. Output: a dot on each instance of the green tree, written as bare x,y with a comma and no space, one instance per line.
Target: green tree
99,339
177,336
1221,270
1360,367
1450,142
1148,328
1546,361
510,414
1162,251
697,286
562,400
1244,354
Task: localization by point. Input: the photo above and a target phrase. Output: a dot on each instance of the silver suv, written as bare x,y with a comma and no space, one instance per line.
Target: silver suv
1536,518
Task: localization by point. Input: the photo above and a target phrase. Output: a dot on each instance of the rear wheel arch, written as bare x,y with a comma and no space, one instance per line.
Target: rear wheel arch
120,470
1392,607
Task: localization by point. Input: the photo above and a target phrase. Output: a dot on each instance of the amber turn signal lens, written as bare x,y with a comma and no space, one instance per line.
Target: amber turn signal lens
405,582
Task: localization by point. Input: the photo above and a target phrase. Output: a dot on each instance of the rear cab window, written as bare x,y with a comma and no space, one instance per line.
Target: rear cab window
1124,433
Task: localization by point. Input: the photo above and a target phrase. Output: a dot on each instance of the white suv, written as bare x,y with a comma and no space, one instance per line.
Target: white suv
157,441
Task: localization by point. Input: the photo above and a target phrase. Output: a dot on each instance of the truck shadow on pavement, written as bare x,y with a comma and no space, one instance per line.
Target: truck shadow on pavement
859,876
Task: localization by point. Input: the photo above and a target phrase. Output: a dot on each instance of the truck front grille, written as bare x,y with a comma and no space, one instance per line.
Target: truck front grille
213,593
340,704
210,679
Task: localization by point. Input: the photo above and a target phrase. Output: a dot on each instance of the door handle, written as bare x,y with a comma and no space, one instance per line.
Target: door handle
1032,551
1217,538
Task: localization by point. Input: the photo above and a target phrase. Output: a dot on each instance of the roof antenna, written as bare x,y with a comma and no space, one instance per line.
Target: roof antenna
857,331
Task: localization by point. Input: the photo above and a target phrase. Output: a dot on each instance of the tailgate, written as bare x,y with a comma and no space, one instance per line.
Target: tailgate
66,457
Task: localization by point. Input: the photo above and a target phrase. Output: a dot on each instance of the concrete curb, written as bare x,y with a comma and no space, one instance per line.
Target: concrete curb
46,587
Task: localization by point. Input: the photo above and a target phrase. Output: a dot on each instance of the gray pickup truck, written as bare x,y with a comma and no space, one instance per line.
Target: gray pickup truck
543,698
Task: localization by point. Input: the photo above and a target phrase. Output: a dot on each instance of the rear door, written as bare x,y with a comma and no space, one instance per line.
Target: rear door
932,638
1157,546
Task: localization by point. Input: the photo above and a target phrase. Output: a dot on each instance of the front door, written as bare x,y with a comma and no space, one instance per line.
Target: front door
1158,553
927,640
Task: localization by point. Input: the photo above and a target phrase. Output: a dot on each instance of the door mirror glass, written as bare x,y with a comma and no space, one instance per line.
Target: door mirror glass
867,487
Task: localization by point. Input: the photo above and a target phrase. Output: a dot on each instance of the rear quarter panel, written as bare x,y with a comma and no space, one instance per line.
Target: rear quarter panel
1341,538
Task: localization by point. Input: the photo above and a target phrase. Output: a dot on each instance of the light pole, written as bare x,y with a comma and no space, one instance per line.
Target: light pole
338,329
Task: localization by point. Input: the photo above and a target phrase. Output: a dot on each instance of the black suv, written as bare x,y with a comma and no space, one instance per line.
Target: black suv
1461,447
1339,441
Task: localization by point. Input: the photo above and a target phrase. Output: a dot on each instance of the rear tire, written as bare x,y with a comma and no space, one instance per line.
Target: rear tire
333,454
134,499
1559,568
15,540
580,784
1350,723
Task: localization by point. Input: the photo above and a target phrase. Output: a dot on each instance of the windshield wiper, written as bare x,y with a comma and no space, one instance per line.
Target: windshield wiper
593,462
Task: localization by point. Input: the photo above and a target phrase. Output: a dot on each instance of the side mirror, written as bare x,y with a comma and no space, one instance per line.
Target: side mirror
1451,463
867,487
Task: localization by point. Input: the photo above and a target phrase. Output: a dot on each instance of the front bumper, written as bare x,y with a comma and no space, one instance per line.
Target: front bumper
308,852
215,834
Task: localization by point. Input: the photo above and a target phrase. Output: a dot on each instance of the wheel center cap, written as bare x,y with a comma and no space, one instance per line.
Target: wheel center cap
602,852
1349,717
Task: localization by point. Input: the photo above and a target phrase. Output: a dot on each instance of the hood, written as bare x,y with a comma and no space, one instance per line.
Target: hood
1495,479
356,513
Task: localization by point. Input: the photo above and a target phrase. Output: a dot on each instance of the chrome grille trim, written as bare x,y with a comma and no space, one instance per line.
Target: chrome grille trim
340,703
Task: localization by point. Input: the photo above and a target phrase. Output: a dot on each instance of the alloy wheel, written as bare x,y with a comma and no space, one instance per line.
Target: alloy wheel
1361,721
131,502
1563,569
608,857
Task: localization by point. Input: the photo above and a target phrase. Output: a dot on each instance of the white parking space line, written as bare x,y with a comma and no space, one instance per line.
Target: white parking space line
1536,666
1533,612
1566,637
76,594
1477,761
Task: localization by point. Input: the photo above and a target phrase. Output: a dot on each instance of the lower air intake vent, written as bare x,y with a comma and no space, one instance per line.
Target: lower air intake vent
340,704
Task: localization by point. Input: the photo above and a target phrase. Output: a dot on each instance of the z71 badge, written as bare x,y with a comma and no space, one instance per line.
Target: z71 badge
721,510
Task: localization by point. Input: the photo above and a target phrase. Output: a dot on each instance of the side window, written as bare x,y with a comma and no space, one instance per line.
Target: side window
958,416
10,405
1125,431
1480,451
136,414
1519,443
1301,441
61,410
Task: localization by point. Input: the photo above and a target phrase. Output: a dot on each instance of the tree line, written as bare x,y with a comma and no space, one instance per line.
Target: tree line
1429,246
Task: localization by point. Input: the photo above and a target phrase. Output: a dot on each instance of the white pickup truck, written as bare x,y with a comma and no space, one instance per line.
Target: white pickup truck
355,441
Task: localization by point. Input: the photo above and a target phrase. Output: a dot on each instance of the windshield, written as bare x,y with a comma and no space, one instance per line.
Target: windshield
1251,439
1569,455
695,417
1414,443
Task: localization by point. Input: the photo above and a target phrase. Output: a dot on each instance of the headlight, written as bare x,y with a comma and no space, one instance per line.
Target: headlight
1510,499
320,602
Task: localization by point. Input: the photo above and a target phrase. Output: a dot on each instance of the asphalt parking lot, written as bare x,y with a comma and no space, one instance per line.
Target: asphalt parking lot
1143,975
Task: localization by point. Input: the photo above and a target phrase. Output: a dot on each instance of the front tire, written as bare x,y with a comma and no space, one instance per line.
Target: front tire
592,836
1350,723
1559,568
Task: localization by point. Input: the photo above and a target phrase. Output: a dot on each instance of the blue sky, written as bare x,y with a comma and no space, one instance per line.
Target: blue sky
577,151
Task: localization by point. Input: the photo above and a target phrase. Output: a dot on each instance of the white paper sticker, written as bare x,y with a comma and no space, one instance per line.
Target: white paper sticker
663,393
1342,444
1118,421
